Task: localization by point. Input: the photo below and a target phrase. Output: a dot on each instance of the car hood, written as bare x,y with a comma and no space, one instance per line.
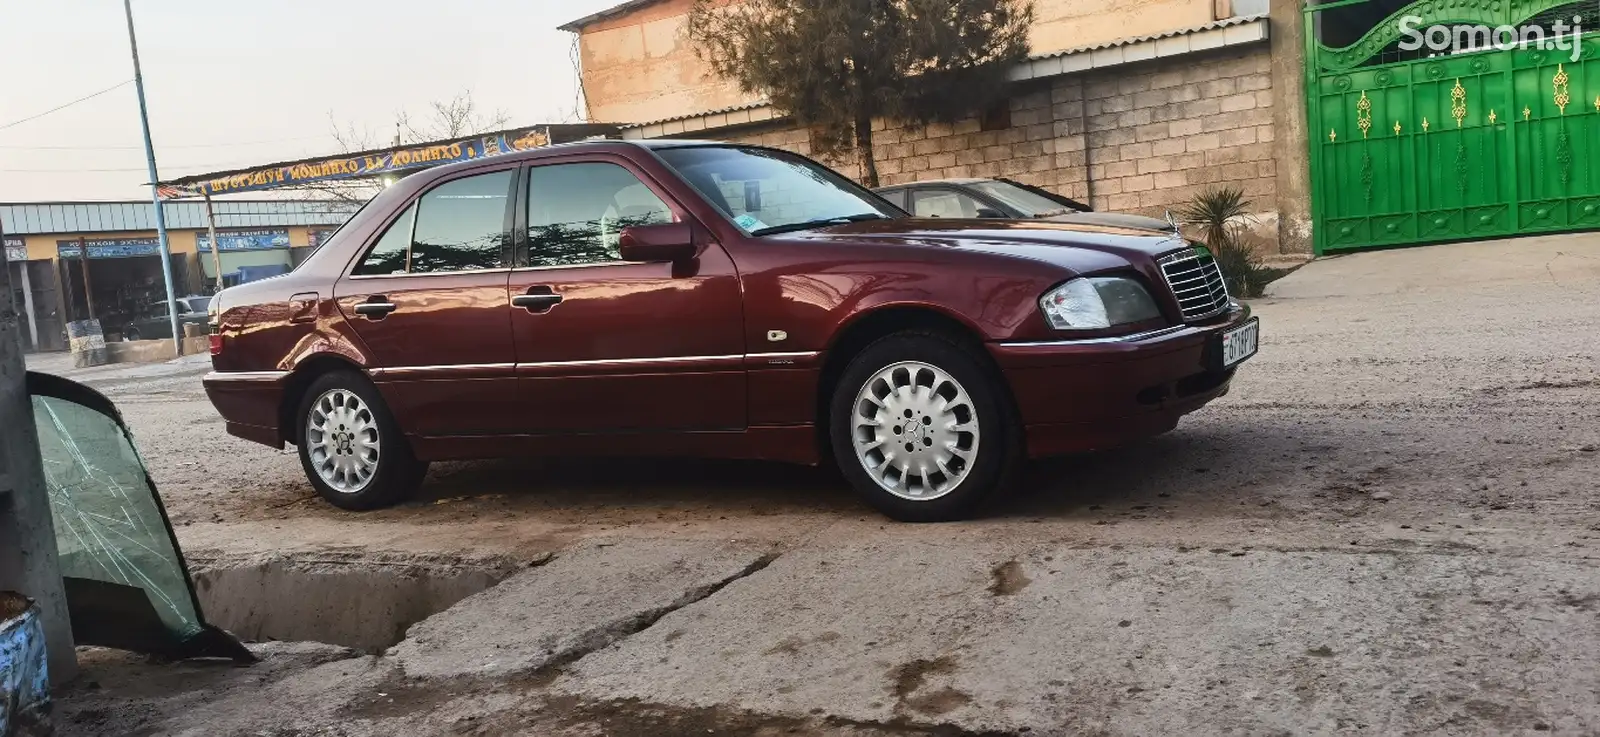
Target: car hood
1114,219
1079,246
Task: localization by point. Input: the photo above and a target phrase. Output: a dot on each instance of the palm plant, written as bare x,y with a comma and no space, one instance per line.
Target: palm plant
1220,216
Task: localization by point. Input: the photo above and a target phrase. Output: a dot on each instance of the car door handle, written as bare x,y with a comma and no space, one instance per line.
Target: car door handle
536,302
376,308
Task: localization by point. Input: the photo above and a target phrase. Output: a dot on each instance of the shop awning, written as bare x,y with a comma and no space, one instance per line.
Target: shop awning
379,162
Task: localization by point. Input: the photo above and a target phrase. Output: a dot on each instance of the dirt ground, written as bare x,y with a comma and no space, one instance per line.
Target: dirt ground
1390,525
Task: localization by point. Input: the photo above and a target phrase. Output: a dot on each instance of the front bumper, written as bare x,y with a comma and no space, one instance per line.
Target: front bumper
249,402
1080,395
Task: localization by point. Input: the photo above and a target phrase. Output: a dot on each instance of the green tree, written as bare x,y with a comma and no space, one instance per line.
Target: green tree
835,65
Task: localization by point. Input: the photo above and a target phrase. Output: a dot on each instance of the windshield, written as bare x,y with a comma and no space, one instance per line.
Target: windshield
765,191
1021,199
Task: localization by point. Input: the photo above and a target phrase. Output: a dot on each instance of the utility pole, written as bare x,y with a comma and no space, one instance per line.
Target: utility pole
28,559
216,245
155,193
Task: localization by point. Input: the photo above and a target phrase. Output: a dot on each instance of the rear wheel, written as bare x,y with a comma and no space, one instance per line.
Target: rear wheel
351,448
131,334
920,427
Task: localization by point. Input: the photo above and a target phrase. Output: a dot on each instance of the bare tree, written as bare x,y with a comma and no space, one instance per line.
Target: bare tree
453,118
456,117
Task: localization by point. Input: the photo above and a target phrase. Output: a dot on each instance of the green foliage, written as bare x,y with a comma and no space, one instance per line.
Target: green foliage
835,65
1221,216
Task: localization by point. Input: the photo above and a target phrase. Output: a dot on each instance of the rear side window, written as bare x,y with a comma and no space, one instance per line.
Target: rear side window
389,254
457,226
461,225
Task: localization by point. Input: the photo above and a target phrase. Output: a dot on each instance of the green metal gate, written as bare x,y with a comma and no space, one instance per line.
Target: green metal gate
1462,146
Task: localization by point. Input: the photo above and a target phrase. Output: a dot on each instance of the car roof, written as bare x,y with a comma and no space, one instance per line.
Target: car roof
597,145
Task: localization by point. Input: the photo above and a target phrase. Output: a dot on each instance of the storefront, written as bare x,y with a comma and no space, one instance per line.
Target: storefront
102,259
120,280
33,297
245,252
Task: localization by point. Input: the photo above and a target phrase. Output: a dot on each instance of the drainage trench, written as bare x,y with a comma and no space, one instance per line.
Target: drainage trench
365,603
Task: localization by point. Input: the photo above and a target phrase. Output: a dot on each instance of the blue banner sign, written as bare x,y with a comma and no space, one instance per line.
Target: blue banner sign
110,248
16,249
244,240
365,164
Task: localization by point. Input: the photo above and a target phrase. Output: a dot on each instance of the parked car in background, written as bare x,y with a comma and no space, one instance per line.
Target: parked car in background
1004,198
707,299
156,323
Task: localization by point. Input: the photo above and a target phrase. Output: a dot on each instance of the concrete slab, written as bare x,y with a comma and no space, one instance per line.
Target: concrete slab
584,600
1550,260
1132,641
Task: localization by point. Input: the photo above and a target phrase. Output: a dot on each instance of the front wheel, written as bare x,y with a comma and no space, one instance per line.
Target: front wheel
351,448
920,426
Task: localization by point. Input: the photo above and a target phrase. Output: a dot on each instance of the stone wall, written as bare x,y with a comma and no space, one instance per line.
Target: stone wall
1139,138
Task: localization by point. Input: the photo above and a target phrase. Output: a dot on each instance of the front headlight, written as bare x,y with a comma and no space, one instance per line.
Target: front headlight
1097,302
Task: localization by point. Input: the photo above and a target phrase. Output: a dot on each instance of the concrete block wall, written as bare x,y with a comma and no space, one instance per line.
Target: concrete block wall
1139,138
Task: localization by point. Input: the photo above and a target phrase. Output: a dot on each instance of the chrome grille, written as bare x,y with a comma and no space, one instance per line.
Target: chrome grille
1196,281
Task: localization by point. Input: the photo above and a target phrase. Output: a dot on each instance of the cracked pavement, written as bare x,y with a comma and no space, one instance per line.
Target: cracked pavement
1391,525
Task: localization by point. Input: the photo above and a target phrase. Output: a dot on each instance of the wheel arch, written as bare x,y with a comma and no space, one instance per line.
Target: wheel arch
869,326
294,389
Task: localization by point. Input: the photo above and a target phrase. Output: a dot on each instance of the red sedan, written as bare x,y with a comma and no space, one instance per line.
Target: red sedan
715,300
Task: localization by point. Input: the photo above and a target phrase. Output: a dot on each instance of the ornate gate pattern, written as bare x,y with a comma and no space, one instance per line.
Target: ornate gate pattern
1462,146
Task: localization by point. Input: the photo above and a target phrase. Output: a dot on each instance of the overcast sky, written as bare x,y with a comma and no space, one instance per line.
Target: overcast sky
237,82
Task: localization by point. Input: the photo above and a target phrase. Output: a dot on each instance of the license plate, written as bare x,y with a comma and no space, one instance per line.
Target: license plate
1240,343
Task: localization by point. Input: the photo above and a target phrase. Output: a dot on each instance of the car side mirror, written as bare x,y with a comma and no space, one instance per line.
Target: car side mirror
990,213
672,242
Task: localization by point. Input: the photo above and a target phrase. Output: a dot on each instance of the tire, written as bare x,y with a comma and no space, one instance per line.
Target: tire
972,432
130,335
362,474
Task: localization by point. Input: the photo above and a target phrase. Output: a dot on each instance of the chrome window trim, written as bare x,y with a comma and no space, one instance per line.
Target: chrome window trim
500,270
589,265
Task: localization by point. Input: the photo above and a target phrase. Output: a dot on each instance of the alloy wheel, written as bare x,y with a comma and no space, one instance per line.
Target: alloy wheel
915,430
342,440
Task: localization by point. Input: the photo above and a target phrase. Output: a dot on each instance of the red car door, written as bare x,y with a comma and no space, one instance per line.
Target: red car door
428,298
603,345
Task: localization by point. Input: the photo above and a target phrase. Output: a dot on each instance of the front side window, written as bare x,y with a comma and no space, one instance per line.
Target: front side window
457,226
576,212
765,191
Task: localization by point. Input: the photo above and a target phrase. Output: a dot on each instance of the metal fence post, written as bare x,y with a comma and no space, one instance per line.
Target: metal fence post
28,559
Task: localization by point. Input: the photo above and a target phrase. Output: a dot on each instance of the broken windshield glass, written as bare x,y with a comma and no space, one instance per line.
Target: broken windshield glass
126,581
